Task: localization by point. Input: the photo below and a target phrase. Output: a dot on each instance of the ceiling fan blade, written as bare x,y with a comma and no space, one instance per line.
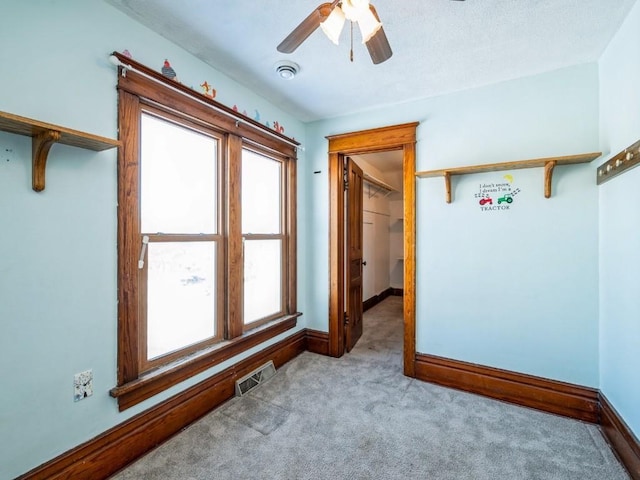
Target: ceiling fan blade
378,45
306,27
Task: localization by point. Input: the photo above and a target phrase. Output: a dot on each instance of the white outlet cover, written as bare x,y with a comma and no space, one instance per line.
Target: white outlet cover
82,385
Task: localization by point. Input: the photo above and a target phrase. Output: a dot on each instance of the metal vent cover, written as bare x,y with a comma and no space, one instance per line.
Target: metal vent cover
286,69
255,378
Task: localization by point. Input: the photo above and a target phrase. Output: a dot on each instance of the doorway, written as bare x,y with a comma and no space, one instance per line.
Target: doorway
398,137
383,225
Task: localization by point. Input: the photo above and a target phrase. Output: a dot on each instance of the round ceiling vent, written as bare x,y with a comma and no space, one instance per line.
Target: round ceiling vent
287,70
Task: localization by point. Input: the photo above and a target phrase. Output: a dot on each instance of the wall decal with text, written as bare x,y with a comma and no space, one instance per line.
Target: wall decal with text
497,196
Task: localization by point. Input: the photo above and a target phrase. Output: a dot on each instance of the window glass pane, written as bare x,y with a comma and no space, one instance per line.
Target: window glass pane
262,279
261,193
178,178
181,300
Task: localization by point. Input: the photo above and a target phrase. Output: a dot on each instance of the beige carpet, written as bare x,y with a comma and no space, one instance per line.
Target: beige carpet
358,417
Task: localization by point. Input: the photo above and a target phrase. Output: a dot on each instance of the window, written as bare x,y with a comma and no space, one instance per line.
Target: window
262,236
206,232
179,265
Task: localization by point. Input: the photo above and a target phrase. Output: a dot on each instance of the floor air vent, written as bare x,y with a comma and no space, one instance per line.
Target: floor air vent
255,378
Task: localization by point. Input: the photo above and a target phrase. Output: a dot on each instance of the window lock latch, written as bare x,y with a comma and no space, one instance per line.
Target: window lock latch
145,241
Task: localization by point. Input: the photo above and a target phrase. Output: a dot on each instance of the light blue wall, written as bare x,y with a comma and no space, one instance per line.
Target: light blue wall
58,248
515,290
620,226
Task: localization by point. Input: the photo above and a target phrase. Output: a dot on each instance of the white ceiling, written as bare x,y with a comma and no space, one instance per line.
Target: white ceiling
385,162
439,46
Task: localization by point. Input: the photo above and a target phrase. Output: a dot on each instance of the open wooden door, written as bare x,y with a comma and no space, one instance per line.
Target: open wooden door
354,239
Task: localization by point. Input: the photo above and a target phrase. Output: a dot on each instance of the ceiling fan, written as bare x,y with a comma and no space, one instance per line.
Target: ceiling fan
331,17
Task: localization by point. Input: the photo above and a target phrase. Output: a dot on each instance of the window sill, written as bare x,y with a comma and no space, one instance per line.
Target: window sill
155,381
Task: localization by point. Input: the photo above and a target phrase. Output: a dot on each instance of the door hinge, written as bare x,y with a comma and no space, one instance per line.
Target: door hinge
345,177
346,318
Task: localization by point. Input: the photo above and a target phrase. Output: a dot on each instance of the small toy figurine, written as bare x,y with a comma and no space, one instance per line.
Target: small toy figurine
209,91
277,127
168,71
126,53
257,116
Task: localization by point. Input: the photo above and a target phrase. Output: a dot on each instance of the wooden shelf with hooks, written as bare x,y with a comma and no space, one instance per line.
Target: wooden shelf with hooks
44,135
619,163
548,163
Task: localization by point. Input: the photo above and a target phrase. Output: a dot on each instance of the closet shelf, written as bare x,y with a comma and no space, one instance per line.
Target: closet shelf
548,163
379,184
44,135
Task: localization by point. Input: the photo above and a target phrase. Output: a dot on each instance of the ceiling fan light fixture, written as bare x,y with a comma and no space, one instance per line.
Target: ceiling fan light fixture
354,9
332,26
359,11
369,25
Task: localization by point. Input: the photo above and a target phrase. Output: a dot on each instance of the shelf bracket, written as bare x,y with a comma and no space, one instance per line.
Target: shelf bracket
447,186
40,146
548,175
375,193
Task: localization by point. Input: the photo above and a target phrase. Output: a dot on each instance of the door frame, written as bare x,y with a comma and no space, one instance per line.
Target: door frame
395,137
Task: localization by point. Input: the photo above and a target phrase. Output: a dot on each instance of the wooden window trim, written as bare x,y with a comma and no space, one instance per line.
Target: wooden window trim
139,89
142,82
155,381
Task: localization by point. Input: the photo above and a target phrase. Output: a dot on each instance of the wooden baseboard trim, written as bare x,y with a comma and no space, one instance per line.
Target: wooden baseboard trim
104,455
622,440
116,448
398,292
317,341
376,299
550,396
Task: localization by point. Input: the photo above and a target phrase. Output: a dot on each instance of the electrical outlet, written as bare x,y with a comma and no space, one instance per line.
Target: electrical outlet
82,385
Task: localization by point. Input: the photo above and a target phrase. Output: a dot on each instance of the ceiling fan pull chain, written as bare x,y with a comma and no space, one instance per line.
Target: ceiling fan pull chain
351,52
